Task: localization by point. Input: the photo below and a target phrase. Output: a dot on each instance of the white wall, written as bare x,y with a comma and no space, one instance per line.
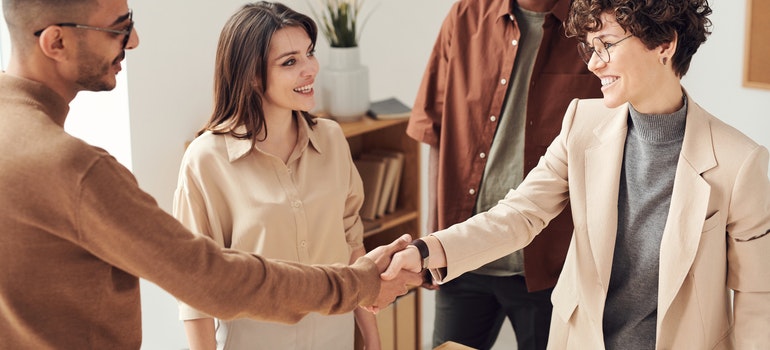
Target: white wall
5,42
716,75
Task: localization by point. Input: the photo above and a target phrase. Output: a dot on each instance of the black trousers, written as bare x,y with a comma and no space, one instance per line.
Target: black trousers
471,309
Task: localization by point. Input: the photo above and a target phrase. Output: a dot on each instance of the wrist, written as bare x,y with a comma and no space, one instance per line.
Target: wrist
423,251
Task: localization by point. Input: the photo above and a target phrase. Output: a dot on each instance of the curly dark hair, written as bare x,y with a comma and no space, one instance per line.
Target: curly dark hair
654,22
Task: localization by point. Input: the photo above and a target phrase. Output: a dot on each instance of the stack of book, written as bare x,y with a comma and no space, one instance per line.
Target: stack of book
389,108
380,172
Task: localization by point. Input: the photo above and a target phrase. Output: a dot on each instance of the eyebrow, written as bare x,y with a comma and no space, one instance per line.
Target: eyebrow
121,19
602,37
286,54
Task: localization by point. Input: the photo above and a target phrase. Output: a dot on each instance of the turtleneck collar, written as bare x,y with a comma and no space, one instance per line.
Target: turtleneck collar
658,128
35,94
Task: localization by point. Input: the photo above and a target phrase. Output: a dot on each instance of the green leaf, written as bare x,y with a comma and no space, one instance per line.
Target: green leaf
338,21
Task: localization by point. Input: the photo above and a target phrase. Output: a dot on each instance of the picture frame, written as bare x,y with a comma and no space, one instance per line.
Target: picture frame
756,67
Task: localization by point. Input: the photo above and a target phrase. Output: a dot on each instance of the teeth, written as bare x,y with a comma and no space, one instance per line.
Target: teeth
304,89
608,80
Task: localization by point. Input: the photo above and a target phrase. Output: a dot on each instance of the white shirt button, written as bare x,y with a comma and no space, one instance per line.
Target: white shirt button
493,118
514,42
503,81
472,191
483,155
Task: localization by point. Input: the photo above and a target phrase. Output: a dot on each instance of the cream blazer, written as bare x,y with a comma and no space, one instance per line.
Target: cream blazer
715,239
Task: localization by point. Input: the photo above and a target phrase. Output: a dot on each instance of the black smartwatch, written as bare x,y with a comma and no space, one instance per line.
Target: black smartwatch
422,247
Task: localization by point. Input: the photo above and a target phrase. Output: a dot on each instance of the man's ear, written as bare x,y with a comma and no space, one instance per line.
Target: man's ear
53,43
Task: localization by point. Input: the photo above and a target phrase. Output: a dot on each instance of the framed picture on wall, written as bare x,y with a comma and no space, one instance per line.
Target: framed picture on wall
756,66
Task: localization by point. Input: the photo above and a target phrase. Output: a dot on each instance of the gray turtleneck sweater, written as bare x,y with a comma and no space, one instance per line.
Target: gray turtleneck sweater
650,158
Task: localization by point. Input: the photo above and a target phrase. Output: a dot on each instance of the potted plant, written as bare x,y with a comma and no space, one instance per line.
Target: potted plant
344,79
338,22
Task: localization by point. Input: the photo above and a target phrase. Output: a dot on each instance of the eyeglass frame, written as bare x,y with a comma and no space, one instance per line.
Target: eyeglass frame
583,52
126,32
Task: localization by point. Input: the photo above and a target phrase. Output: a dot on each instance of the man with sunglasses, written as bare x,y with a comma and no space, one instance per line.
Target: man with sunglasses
76,232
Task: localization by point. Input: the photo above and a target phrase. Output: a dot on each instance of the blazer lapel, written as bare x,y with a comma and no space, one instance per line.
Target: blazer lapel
603,162
689,205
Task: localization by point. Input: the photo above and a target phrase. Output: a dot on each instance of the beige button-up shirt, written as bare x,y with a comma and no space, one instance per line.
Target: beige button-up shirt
305,210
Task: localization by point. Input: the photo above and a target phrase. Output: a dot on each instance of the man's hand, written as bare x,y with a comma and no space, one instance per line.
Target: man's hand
400,282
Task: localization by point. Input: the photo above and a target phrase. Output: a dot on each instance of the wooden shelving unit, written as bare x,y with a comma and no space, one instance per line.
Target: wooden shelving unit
399,324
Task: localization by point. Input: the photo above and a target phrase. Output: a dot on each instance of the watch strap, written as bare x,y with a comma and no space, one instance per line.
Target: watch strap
422,247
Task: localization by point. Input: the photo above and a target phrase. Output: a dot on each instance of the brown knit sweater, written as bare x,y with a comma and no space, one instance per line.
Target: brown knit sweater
76,233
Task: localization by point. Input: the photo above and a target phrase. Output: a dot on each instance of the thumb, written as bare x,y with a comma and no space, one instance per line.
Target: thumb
400,243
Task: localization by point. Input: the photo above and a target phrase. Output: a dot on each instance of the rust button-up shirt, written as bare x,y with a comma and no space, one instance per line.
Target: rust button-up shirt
460,101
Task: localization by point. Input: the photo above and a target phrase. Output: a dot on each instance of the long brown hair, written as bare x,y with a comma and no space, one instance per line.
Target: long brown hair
240,71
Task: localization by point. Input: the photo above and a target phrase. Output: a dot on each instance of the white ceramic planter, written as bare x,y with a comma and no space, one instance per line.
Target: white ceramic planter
346,84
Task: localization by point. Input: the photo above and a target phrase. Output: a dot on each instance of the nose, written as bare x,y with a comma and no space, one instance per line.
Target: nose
133,39
312,67
595,62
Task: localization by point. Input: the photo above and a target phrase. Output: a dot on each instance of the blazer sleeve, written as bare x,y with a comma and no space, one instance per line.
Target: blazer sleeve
748,245
515,221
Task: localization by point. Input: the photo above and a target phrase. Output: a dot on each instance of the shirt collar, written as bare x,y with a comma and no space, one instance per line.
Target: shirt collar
238,148
560,10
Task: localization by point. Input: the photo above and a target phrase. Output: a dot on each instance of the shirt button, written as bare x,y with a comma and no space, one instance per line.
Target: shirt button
296,204
472,192
514,42
493,118
303,244
483,155
503,81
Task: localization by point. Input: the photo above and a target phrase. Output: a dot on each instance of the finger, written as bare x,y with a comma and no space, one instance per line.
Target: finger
399,244
372,309
413,279
396,264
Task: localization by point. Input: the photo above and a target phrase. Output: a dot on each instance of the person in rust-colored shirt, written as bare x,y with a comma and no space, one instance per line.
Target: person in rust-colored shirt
494,92
77,232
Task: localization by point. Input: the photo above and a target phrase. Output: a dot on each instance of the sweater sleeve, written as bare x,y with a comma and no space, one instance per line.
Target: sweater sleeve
123,226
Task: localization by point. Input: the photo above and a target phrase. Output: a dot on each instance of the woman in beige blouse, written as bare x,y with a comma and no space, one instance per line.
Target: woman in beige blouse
265,177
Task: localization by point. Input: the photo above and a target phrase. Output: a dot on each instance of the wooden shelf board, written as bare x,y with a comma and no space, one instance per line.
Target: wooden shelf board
373,227
367,124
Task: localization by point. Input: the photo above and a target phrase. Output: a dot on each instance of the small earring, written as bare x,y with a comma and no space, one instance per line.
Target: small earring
664,60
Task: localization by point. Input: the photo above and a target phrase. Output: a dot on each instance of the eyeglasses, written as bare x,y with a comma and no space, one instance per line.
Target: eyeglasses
600,47
126,32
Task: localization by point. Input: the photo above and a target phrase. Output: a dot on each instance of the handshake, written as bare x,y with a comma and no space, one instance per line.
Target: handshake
399,267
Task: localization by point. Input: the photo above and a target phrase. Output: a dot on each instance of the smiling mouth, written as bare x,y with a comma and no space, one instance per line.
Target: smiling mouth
304,89
608,80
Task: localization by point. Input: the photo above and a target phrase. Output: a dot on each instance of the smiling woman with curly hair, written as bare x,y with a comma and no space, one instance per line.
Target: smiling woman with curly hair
671,206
